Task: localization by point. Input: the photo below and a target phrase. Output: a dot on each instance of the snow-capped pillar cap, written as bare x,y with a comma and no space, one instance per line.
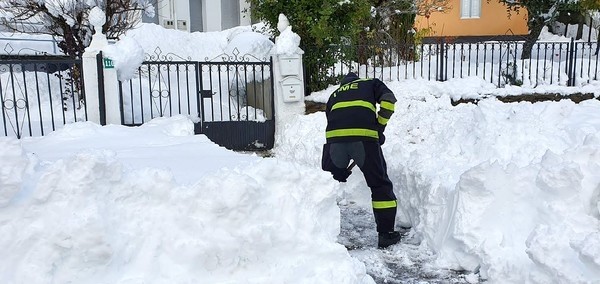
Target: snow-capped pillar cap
282,23
97,18
288,42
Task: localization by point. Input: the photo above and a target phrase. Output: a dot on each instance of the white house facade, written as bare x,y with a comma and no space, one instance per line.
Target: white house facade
201,15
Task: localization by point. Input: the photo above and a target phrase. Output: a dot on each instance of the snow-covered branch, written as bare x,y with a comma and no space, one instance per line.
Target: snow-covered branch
67,20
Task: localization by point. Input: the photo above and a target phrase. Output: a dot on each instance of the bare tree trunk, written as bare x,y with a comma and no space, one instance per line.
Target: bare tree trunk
535,28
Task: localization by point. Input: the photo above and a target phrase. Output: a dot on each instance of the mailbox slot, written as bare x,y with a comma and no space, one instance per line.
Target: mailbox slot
292,89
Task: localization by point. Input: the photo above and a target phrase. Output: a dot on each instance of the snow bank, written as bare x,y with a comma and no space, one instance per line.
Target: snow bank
127,55
510,191
12,169
91,218
506,189
466,88
197,46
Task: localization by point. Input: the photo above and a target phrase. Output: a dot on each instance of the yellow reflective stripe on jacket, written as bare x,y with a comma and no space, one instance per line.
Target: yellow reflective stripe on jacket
387,105
352,132
384,204
358,103
382,120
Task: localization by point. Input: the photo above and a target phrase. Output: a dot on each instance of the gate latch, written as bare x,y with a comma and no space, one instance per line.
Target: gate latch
206,94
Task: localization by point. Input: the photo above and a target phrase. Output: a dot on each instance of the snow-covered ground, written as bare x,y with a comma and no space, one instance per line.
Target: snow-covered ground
156,204
509,190
507,193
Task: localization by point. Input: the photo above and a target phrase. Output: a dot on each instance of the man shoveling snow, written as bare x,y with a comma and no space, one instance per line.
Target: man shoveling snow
355,132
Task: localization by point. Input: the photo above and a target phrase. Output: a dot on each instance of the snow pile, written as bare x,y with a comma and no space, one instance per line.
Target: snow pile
206,46
533,222
163,143
547,36
94,217
12,169
288,42
249,43
127,55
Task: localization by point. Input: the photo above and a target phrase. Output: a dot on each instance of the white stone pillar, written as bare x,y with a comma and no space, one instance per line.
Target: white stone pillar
112,105
90,67
111,94
288,77
90,82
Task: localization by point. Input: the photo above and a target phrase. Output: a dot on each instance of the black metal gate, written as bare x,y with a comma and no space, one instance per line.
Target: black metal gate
39,94
231,97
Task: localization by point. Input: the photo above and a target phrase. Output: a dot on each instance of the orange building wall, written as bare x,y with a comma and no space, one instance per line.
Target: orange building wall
492,22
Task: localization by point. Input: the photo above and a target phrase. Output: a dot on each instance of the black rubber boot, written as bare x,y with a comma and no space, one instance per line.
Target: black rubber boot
388,239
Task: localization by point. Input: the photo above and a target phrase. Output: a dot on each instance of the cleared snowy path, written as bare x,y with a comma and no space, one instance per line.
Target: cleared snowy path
406,262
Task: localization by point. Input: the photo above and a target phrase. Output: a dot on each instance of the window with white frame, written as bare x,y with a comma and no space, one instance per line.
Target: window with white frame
470,9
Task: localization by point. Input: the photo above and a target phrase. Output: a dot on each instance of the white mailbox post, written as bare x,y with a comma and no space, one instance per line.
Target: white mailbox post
288,76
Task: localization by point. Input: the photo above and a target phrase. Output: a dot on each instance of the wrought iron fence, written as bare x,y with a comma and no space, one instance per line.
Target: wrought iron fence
232,89
28,45
551,63
160,88
40,94
236,91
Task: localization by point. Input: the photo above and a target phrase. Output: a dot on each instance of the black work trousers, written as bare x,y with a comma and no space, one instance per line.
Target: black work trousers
369,158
